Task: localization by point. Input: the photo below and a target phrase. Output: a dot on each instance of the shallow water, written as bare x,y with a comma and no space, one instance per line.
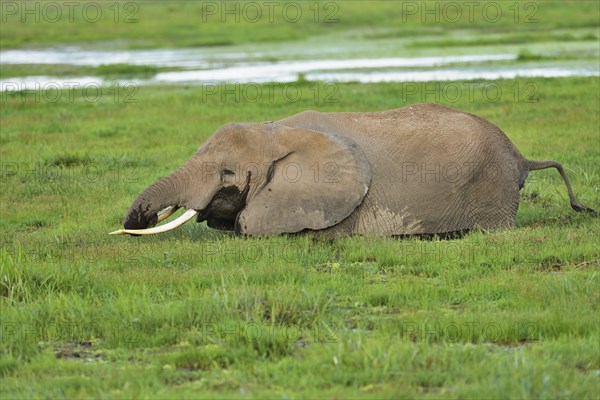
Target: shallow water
259,65
289,71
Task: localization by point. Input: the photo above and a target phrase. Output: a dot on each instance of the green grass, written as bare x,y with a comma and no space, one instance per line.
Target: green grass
197,312
507,38
141,24
121,71
201,313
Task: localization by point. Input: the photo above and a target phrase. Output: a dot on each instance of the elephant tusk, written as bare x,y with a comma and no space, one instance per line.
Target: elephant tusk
166,213
189,214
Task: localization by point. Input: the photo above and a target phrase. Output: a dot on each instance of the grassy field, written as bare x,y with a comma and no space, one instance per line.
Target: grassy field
202,313
141,24
197,312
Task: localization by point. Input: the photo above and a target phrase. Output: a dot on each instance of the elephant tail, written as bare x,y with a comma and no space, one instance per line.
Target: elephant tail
535,165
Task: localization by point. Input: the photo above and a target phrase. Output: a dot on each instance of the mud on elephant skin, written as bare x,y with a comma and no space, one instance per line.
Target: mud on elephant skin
421,169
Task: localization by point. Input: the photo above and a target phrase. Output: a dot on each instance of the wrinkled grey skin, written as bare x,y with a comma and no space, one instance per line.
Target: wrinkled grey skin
422,169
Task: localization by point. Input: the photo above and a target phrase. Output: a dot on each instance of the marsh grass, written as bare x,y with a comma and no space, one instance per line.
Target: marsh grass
198,312
115,71
203,24
202,313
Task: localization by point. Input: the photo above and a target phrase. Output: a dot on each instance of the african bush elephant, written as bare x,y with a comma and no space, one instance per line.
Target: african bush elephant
421,169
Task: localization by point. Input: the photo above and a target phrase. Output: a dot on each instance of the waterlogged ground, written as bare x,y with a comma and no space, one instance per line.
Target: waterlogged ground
353,56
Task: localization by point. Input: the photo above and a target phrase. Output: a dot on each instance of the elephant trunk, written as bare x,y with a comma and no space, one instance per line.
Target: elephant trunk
163,198
144,210
175,190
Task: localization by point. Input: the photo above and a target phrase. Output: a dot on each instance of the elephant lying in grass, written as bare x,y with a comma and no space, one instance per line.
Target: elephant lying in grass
422,169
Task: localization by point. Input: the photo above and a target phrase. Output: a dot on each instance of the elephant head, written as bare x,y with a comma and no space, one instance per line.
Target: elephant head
259,179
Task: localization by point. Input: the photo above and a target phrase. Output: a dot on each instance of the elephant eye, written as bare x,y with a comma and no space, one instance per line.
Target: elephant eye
227,171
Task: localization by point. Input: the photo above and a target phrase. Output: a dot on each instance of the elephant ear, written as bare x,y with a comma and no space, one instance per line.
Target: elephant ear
316,181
